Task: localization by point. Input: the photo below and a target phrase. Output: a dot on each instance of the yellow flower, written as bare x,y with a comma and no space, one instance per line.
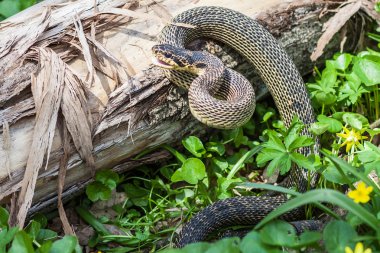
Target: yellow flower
361,194
351,138
359,248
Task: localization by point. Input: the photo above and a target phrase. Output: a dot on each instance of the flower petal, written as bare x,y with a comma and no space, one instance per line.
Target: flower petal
359,248
352,194
369,189
348,250
361,186
364,199
349,145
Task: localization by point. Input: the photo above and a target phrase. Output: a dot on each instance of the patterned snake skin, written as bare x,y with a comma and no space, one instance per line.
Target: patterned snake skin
283,80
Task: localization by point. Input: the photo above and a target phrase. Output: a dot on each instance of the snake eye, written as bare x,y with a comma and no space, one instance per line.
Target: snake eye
168,55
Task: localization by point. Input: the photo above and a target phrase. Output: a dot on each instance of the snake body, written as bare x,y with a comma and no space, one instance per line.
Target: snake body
224,100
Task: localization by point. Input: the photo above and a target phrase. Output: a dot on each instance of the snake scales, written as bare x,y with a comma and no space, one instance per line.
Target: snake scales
222,98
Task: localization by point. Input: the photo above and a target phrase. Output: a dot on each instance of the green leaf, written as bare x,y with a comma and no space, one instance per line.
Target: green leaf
343,61
274,141
6,236
26,3
33,229
355,120
267,116
354,79
328,79
308,238
375,36
252,243
108,178
338,116
373,132
97,191
134,191
194,145
180,157
184,195
279,124
302,161
192,171
90,219
368,71
318,128
325,98
191,248
224,184
219,163
270,187
351,92
267,155
333,175
242,160
226,245
347,168
337,235
40,218
22,243
46,234
4,216
66,245
278,233
282,162
301,141
239,137
215,147
45,247
324,195
291,136
370,157
9,8
334,125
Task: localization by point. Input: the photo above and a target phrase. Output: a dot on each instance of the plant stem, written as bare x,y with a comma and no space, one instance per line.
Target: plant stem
377,101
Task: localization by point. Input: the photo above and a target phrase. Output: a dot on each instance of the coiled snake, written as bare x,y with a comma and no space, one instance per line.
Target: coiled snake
222,98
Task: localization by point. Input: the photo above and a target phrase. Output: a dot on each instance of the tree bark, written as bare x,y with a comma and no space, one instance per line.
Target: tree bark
111,90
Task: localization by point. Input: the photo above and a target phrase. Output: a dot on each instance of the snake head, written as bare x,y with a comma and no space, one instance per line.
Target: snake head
171,57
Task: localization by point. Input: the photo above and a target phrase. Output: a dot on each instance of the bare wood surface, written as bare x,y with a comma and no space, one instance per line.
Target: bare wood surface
113,102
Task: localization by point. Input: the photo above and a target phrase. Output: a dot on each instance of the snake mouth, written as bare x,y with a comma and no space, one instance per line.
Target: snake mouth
161,64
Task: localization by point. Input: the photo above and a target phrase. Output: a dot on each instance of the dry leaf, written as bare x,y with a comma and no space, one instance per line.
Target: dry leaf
132,14
7,148
47,88
334,24
61,180
161,11
74,109
85,50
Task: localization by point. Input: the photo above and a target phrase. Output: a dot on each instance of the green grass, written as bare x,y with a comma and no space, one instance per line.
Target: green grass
10,7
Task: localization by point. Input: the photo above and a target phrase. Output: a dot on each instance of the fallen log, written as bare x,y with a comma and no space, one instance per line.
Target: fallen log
86,68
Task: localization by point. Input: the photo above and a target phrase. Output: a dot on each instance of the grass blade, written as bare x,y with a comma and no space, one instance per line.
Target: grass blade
345,167
242,159
324,195
288,191
180,157
90,219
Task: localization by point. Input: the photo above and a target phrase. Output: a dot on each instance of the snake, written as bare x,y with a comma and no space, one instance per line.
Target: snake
222,98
